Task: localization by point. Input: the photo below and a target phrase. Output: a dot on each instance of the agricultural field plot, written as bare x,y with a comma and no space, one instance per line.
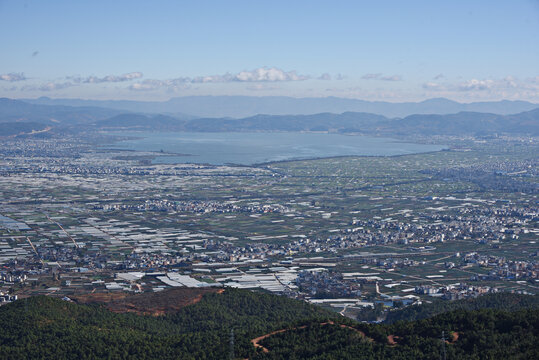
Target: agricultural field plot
468,215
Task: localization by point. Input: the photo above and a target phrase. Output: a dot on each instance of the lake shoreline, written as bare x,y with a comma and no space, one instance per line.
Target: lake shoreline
261,149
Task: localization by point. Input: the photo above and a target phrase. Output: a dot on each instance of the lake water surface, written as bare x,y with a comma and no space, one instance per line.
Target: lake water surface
254,148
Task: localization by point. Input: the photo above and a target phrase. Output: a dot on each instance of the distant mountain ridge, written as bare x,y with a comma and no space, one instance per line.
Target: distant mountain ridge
141,122
63,117
20,111
245,106
20,128
463,123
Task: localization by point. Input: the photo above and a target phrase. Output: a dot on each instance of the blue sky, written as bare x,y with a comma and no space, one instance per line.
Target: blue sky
374,50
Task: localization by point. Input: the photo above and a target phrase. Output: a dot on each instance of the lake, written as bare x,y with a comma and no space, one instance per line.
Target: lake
254,148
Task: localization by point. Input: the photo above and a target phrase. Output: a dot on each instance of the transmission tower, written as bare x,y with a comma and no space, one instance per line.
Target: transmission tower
443,355
232,344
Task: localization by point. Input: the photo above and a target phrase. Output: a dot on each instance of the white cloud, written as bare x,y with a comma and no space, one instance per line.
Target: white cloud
51,86
475,84
269,74
508,87
108,78
324,76
391,78
380,76
508,82
168,85
13,77
263,74
371,76
143,86
262,87
432,86
147,85
76,80
260,75
204,79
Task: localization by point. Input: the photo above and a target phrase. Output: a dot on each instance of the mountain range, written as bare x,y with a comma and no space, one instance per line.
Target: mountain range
91,118
245,106
21,111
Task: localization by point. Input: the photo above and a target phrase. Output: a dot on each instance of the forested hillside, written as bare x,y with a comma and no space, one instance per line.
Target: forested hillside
498,301
483,334
242,324
18,128
48,328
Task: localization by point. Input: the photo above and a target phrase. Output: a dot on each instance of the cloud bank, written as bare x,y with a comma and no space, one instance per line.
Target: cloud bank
107,79
13,77
269,74
74,81
256,76
380,76
508,87
509,82
51,86
263,74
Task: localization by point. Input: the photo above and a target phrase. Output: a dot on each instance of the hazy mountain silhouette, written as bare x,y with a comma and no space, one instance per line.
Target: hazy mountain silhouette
244,106
461,123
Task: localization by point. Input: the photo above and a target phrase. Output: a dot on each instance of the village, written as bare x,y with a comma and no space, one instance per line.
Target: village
93,221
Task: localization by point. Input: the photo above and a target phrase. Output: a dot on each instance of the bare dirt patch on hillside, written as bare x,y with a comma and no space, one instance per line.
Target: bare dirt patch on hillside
155,304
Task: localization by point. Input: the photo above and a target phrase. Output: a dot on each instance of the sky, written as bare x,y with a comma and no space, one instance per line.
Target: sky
373,50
